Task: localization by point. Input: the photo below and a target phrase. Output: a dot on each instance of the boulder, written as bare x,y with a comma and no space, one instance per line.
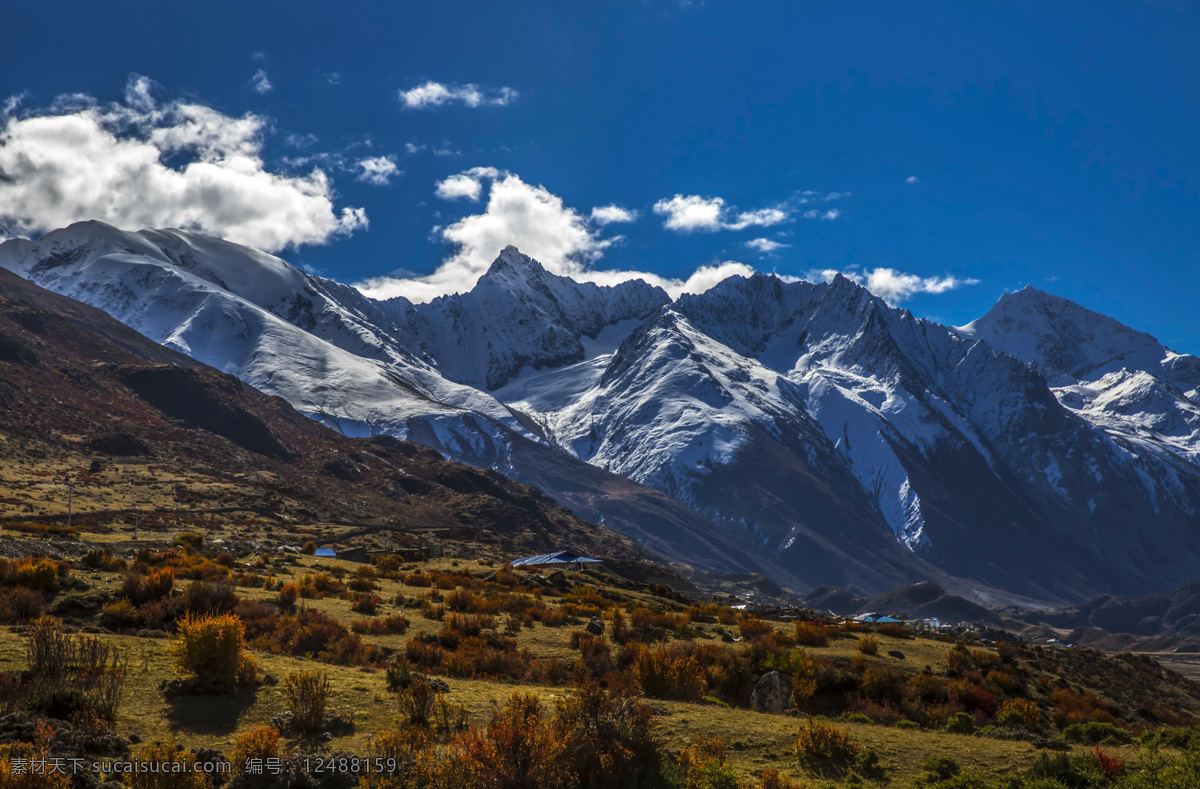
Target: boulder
595,626
773,693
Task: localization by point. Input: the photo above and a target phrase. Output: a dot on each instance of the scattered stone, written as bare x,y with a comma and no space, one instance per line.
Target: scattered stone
595,626
773,693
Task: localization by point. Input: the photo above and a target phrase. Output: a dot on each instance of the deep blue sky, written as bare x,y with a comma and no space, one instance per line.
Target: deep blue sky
1054,146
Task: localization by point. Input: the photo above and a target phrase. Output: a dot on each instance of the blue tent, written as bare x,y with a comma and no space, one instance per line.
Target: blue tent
558,557
325,552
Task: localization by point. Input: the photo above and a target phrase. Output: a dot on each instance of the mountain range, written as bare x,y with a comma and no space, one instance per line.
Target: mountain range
808,431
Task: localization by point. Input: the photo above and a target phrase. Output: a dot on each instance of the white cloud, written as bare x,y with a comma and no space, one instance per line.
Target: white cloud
690,213
537,222
109,163
912,179
468,184
260,83
830,215
412,148
333,78
836,196
435,94
765,245
894,286
377,170
610,214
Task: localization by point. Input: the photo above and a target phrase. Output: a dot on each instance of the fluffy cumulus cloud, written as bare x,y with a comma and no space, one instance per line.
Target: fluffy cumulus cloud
377,170
260,83
142,163
765,245
538,223
894,286
435,94
467,184
613,214
691,213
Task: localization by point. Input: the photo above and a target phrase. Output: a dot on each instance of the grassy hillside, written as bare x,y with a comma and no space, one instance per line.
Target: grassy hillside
476,633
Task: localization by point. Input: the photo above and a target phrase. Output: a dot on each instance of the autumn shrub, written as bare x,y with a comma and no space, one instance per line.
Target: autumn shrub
519,747
1020,714
959,660
608,737
752,627
287,595
209,597
893,629
72,673
1071,707
868,645
141,586
260,742
212,648
174,768
18,604
703,764
773,779
102,559
120,615
318,585
423,653
552,617
595,655
304,633
1109,765
882,684
449,716
416,701
813,634
49,650
668,672
392,624
819,742
365,604
467,625
42,575
193,540
307,694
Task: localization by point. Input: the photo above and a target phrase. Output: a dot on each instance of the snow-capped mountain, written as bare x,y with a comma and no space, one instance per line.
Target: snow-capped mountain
1120,379
806,430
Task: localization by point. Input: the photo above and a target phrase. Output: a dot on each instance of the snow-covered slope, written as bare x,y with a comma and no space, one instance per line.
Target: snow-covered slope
830,438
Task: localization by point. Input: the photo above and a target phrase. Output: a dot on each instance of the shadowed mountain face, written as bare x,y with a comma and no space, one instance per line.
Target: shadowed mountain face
76,386
806,430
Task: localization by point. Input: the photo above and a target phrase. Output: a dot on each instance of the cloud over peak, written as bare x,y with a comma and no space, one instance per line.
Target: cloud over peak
541,225
891,285
435,94
68,162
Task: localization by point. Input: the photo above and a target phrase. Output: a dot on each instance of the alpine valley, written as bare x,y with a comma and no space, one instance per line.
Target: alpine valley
806,431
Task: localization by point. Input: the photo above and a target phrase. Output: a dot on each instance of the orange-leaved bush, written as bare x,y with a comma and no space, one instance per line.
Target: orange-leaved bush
212,648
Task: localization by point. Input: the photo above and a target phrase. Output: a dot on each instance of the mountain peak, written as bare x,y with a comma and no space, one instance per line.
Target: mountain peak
511,260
